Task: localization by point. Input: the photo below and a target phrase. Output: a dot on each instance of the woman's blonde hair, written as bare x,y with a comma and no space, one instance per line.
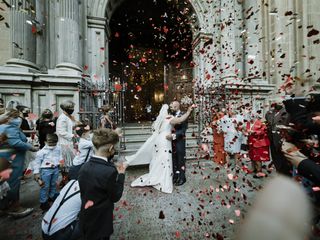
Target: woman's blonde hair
12,113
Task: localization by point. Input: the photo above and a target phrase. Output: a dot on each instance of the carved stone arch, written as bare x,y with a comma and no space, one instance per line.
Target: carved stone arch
105,9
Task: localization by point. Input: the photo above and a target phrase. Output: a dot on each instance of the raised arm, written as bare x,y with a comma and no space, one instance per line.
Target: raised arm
184,117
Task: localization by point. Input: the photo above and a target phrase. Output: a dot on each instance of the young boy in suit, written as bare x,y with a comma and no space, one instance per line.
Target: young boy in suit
101,185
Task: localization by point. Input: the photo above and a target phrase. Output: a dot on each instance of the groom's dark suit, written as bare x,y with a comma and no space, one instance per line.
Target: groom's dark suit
179,151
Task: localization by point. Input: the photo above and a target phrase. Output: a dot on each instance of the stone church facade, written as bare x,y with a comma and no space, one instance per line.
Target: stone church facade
245,50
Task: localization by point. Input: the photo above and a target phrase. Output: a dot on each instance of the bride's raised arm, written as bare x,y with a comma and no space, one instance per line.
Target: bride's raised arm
184,117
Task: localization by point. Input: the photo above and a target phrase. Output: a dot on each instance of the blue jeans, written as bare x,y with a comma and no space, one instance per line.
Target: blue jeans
50,177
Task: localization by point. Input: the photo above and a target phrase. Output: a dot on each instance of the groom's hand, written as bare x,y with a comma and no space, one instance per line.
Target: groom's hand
171,137
121,167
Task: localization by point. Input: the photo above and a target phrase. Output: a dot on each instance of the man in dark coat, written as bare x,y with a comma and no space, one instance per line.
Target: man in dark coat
101,185
276,116
178,146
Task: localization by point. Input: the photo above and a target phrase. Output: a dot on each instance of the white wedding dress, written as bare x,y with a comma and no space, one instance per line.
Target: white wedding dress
157,151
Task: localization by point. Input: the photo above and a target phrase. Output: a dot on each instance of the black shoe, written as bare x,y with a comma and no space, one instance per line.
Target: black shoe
19,212
175,178
181,181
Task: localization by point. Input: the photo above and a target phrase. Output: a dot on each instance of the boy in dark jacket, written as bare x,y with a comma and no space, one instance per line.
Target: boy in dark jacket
101,185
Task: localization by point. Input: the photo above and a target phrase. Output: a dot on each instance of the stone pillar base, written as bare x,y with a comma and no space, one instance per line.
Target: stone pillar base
16,62
68,66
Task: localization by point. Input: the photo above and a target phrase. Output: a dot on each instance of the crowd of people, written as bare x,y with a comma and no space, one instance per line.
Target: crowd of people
74,166
239,135
80,181
55,150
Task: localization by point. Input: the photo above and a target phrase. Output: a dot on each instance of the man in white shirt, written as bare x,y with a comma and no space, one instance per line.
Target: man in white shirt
61,221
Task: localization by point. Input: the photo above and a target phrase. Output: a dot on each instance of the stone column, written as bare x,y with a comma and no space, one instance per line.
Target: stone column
68,35
97,51
308,44
253,39
23,34
228,41
41,14
97,36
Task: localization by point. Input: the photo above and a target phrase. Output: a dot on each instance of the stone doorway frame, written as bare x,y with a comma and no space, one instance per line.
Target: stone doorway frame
98,32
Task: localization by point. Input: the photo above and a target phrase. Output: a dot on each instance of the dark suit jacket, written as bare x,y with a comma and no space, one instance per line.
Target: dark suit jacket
180,131
273,119
100,183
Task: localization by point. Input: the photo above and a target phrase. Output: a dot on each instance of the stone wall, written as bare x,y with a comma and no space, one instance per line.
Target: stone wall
252,47
4,34
291,51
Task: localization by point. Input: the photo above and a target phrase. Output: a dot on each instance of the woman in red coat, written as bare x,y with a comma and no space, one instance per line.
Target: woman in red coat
258,144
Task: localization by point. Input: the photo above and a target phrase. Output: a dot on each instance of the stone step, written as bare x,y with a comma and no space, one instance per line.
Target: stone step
129,130
191,152
142,139
137,144
193,157
192,148
149,133
135,135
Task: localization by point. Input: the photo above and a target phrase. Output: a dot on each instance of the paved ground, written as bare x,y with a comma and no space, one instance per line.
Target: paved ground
211,205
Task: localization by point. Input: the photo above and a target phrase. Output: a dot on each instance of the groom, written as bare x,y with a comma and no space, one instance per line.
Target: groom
178,139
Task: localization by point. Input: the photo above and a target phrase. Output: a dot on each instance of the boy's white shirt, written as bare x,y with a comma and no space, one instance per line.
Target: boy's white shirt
68,211
47,157
84,146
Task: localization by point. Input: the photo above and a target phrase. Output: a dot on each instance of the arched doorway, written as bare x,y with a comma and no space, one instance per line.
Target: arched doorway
150,55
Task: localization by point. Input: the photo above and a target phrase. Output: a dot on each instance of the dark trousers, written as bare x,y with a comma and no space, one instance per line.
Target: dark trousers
70,232
179,156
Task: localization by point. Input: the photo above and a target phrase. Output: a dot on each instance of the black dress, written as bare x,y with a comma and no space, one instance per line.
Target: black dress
44,128
25,126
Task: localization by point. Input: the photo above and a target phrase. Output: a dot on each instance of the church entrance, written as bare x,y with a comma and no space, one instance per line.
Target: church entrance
150,54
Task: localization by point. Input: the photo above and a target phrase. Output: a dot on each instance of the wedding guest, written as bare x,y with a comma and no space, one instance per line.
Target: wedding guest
258,142
25,126
229,125
106,121
101,184
12,104
14,150
275,117
61,222
85,150
5,172
46,169
64,130
46,124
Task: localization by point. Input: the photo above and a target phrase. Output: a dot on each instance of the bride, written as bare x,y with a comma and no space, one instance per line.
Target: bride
157,151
